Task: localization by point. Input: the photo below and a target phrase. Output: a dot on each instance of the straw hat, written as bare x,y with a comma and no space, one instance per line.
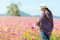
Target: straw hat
43,5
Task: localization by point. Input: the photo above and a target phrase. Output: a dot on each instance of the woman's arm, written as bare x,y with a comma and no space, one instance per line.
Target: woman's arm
48,15
39,21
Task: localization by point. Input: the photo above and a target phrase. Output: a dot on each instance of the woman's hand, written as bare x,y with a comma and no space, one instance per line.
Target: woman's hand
35,26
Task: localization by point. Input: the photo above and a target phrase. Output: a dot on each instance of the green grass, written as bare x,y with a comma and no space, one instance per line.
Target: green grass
37,36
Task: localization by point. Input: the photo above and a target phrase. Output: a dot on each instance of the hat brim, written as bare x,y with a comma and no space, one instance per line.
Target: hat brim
42,6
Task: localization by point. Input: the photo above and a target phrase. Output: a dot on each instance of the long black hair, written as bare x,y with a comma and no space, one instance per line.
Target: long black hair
48,10
50,15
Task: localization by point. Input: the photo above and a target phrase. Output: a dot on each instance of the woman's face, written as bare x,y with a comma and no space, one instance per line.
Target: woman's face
43,9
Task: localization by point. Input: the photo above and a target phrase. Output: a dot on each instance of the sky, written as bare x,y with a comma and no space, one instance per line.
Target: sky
32,7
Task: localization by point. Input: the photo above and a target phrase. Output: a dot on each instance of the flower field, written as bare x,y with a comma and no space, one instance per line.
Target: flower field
20,28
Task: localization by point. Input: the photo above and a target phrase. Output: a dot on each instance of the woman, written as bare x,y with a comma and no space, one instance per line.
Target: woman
45,23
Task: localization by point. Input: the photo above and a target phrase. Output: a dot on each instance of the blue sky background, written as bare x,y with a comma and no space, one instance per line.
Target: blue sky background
32,7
